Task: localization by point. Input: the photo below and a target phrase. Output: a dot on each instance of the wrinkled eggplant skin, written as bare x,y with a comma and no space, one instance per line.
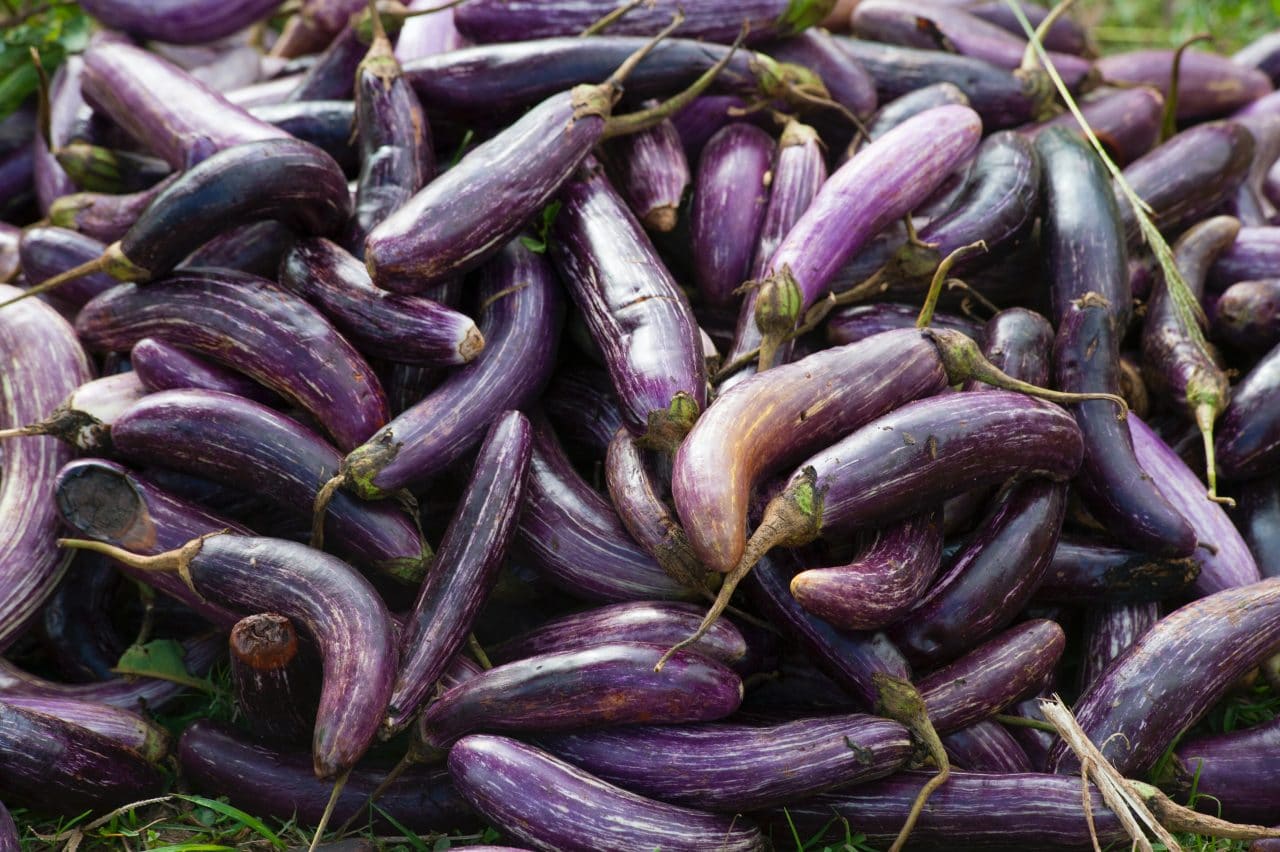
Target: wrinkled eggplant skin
1248,440
577,812
1208,85
1126,122
1109,631
179,21
986,746
1258,518
1089,572
1180,668
1237,770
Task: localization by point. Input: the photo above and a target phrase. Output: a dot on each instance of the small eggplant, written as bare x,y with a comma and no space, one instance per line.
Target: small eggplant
179,21
162,366
1019,343
98,169
1247,315
651,172
1208,85
1248,442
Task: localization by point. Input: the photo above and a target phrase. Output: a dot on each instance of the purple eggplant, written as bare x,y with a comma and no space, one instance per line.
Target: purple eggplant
8,832
10,263
521,311
332,74
1181,667
66,110
574,811
1248,443
256,248
881,584
1018,342
250,325
910,104
84,419
103,217
268,678
219,761
342,612
1208,85
726,767
122,727
990,580
402,328
325,124
162,366
466,568
609,684
986,747
730,194
1089,572
1109,631
1258,519
1064,34
1126,122
858,322
179,21
49,251
1247,315
75,623
1254,255
846,81
584,408
430,34
651,172
1234,773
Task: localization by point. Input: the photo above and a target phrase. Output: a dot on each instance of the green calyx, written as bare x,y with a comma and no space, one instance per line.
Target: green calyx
667,427
802,14
363,464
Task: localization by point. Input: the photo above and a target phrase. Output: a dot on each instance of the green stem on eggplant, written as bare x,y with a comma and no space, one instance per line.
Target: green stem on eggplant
477,651
177,561
1169,121
320,508
899,700
112,261
609,19
1024,722
940,275
1206,412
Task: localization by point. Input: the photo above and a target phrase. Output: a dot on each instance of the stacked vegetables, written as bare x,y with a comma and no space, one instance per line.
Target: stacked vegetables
789,409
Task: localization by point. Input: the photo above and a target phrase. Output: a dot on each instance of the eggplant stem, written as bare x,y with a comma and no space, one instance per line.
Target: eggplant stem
320,507
620,74
939,275
477,651
609,19
98,264
1024,722
379,31
1206,413
338,784
177,561
23,431
1169,121
805,96
1176,817
1029,61
899,700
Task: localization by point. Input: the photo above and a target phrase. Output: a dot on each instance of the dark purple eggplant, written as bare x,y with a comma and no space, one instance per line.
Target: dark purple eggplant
466,568
17,171
651,172
1018,342
1109,631
221,762
846,81
122,727
881,584
725,767
250,325
583,407
574,811
990,580
1177,671
1089,572
75,623
1247,315
269,679
48,251
986,746
1248,443
609,684
342,612
858,322
1233,774
1126,122
84,419
521,312
179,21
60,767
1254,255
401,328
910,104
162,366
1258,519
325,124
1209,85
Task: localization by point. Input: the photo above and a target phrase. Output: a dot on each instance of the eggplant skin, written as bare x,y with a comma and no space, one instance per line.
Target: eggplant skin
550,805
1248,443
179,21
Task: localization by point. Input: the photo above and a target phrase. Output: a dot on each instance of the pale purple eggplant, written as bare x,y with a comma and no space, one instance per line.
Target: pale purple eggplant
635,311
66,109
269,680
1233,773
1254,255
986,746
727,767
1126,122
858,322
179,21
254,327
162,366
651,172
466,567
1247,315
881,584
521,313
1248,442
1091,572
428,35
48,251
609,684
730,193
581,403
1174,674
84,419
1109,631
1209,85
846,81
122,727
402,328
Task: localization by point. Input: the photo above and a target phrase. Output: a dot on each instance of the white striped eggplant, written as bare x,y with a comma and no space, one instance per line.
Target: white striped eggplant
254,327
466,568
161,366
269,679
1089,572
521,313
84,419
1109,631
651,172
1247,315
986,746
609,684
340,609
1126,122
122,727
1174,674
1233,772
1248,444
179,21
43,363
401,328
552,806
636,313
726,767
1209,85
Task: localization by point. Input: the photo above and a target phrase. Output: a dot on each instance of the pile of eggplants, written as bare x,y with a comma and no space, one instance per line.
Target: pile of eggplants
645,425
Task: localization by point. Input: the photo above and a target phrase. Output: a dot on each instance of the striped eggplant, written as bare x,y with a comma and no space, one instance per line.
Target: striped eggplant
635,311
898,110
1234,773
179,21
48,251
727,767
1247,315
332,75
846,81
84,419
268,677
104,217
8,832
1126,122
466,568
10,236
161,366
986,746
254,327
122,727
858,322
1090,572
1209,85
1109,631
1248,442
1258,519
651,172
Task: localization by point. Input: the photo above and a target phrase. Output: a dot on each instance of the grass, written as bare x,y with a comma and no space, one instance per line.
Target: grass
1130,24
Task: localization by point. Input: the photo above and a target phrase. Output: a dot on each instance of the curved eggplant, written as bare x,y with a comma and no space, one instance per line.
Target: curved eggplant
162,366
179,21
986,746
1234,772
333,73
1248,443
1247,315
1126,122
1089,572
325,124
1208,85
1109,631
268,678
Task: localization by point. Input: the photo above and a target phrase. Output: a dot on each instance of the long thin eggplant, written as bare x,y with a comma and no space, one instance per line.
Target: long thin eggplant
1209,85
986,746
1109,631
1233,772
162,366
122,727
1090,572
268,677
464,572
179,21
1126,122
66,109
84,419
253,326
8,832
574,811
1247,315
1248,442
726,767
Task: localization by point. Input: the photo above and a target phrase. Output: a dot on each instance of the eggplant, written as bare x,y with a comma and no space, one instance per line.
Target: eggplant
910,104
990,580
332,74
122,727
43,364
732,768
430,34
1253,256
1247,315
103,217
848,83
178,21
521,312
466,568
1174,674
610,684
651,172
1090,572
1259,522
858,322
402,328
254,327
66,109
1019,343
1109,631
986,746
48,251
162,366
730,195
10,263
75,624
60,767
1064,34
574,811
582,405
1248,443
1234,773
256,248
1208,85
268,678
8,832
220,761
1126,122
339,608
84,419
97,169
325,124
636,313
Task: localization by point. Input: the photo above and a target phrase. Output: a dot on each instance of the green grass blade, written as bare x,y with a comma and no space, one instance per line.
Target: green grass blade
250,822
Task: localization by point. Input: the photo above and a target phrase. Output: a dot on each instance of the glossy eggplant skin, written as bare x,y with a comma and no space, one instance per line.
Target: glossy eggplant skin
1235,771
574,811
48,251
1020,343
179,21
651,172
1109,631
174,115
43,364
466,568
654,622
325,124
162,366
1209,85
1252,256
221,761
401,328
1258,519
610,684
858,322
1090,572
253,326
812,403
727,767
1247,315
1248,442
1181,667
59,767
990,580
571,534
636,313
1126,122
986,746
521,313
268,678
991,811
